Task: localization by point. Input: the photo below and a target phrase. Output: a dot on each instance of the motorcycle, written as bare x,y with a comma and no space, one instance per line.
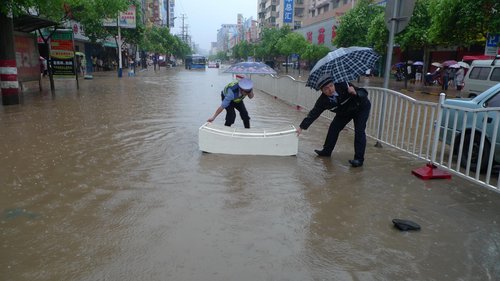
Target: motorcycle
433,79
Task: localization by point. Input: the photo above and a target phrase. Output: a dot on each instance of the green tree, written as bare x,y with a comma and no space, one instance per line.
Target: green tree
89,13
158,40
415,35
463,22
378,35
243,50
267,49
292,43
313,53
354,24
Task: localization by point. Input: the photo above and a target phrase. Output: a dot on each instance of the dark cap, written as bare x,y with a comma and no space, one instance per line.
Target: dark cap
325,79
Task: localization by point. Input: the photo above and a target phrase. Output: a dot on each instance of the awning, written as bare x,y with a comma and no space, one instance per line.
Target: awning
28,23
479,57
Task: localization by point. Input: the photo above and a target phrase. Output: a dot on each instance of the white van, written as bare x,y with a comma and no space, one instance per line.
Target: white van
482,75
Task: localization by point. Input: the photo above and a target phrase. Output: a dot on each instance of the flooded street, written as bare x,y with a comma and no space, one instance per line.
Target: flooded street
107,183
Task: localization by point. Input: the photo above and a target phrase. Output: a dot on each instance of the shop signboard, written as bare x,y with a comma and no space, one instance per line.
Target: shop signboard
27,57
62,54
288,11
321,33
126,19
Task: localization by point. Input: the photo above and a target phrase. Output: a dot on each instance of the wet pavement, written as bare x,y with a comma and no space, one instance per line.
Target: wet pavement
108,183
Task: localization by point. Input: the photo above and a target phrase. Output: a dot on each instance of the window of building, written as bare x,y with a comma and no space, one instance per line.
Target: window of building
299,1
335,4
297,24
299,12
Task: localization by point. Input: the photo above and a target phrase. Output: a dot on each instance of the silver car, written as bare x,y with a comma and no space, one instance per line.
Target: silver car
464,122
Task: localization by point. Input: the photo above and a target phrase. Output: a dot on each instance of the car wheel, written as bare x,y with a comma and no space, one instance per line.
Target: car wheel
475,152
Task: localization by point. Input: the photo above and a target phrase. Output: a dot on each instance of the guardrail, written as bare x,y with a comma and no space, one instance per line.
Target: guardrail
410,125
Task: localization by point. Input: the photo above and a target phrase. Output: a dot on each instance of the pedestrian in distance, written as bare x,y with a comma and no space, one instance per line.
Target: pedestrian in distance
232,98
459,77
349,103
83,65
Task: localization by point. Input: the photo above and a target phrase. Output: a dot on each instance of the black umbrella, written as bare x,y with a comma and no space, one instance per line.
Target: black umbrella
343,65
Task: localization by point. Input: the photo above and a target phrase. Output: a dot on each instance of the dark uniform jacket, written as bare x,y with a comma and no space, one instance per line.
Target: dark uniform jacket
346,104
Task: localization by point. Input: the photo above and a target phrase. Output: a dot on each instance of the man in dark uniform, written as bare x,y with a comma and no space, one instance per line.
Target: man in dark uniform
232,98
348,104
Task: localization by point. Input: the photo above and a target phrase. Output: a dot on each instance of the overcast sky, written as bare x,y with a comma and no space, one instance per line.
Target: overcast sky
204,17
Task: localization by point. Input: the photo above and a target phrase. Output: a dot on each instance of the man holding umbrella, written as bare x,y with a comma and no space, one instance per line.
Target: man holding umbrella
348,102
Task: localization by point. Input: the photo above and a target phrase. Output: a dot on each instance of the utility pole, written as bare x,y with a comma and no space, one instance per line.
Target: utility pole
183,28
8,68
167,8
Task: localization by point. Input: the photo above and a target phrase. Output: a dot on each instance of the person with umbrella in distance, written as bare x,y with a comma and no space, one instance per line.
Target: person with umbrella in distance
329,76
232,98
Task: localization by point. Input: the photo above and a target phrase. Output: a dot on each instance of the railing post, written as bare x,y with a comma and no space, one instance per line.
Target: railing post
430,171
437,127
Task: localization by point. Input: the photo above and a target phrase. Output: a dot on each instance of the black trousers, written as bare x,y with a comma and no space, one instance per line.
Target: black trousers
231,113
338,124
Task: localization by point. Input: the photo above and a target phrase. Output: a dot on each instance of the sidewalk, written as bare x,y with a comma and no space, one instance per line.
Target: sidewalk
418,88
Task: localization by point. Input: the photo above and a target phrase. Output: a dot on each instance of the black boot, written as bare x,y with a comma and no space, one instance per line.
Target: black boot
323,152
356,163
246,123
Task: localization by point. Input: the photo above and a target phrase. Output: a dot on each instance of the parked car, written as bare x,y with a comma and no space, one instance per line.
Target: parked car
488,99
482,75
212,64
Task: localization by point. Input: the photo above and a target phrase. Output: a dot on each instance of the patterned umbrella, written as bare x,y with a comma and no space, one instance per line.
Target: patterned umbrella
343,64
248,67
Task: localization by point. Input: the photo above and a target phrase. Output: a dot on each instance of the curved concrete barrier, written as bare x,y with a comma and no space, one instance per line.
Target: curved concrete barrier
222,139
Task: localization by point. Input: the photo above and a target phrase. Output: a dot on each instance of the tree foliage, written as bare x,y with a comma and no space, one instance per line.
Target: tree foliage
463,22
159,40
415,35
268,46
314,52
243,50
292,43
354,24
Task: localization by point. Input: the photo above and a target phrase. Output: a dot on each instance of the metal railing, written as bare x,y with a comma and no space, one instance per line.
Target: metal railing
412,126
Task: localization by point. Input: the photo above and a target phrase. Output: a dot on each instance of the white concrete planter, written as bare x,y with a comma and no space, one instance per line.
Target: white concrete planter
222,139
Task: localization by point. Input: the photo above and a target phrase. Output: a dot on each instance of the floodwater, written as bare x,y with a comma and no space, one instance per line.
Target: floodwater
108,183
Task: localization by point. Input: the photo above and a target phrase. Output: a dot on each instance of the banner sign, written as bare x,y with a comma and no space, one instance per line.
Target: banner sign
288,11
127,19
62,54
27,58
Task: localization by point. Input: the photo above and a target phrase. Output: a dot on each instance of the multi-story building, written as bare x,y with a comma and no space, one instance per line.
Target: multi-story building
322,19
224,35
158,12
317,20
267,13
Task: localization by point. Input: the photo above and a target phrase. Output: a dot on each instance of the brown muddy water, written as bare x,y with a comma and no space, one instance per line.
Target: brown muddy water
108,183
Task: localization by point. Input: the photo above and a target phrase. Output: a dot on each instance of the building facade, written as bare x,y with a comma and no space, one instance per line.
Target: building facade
315,19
